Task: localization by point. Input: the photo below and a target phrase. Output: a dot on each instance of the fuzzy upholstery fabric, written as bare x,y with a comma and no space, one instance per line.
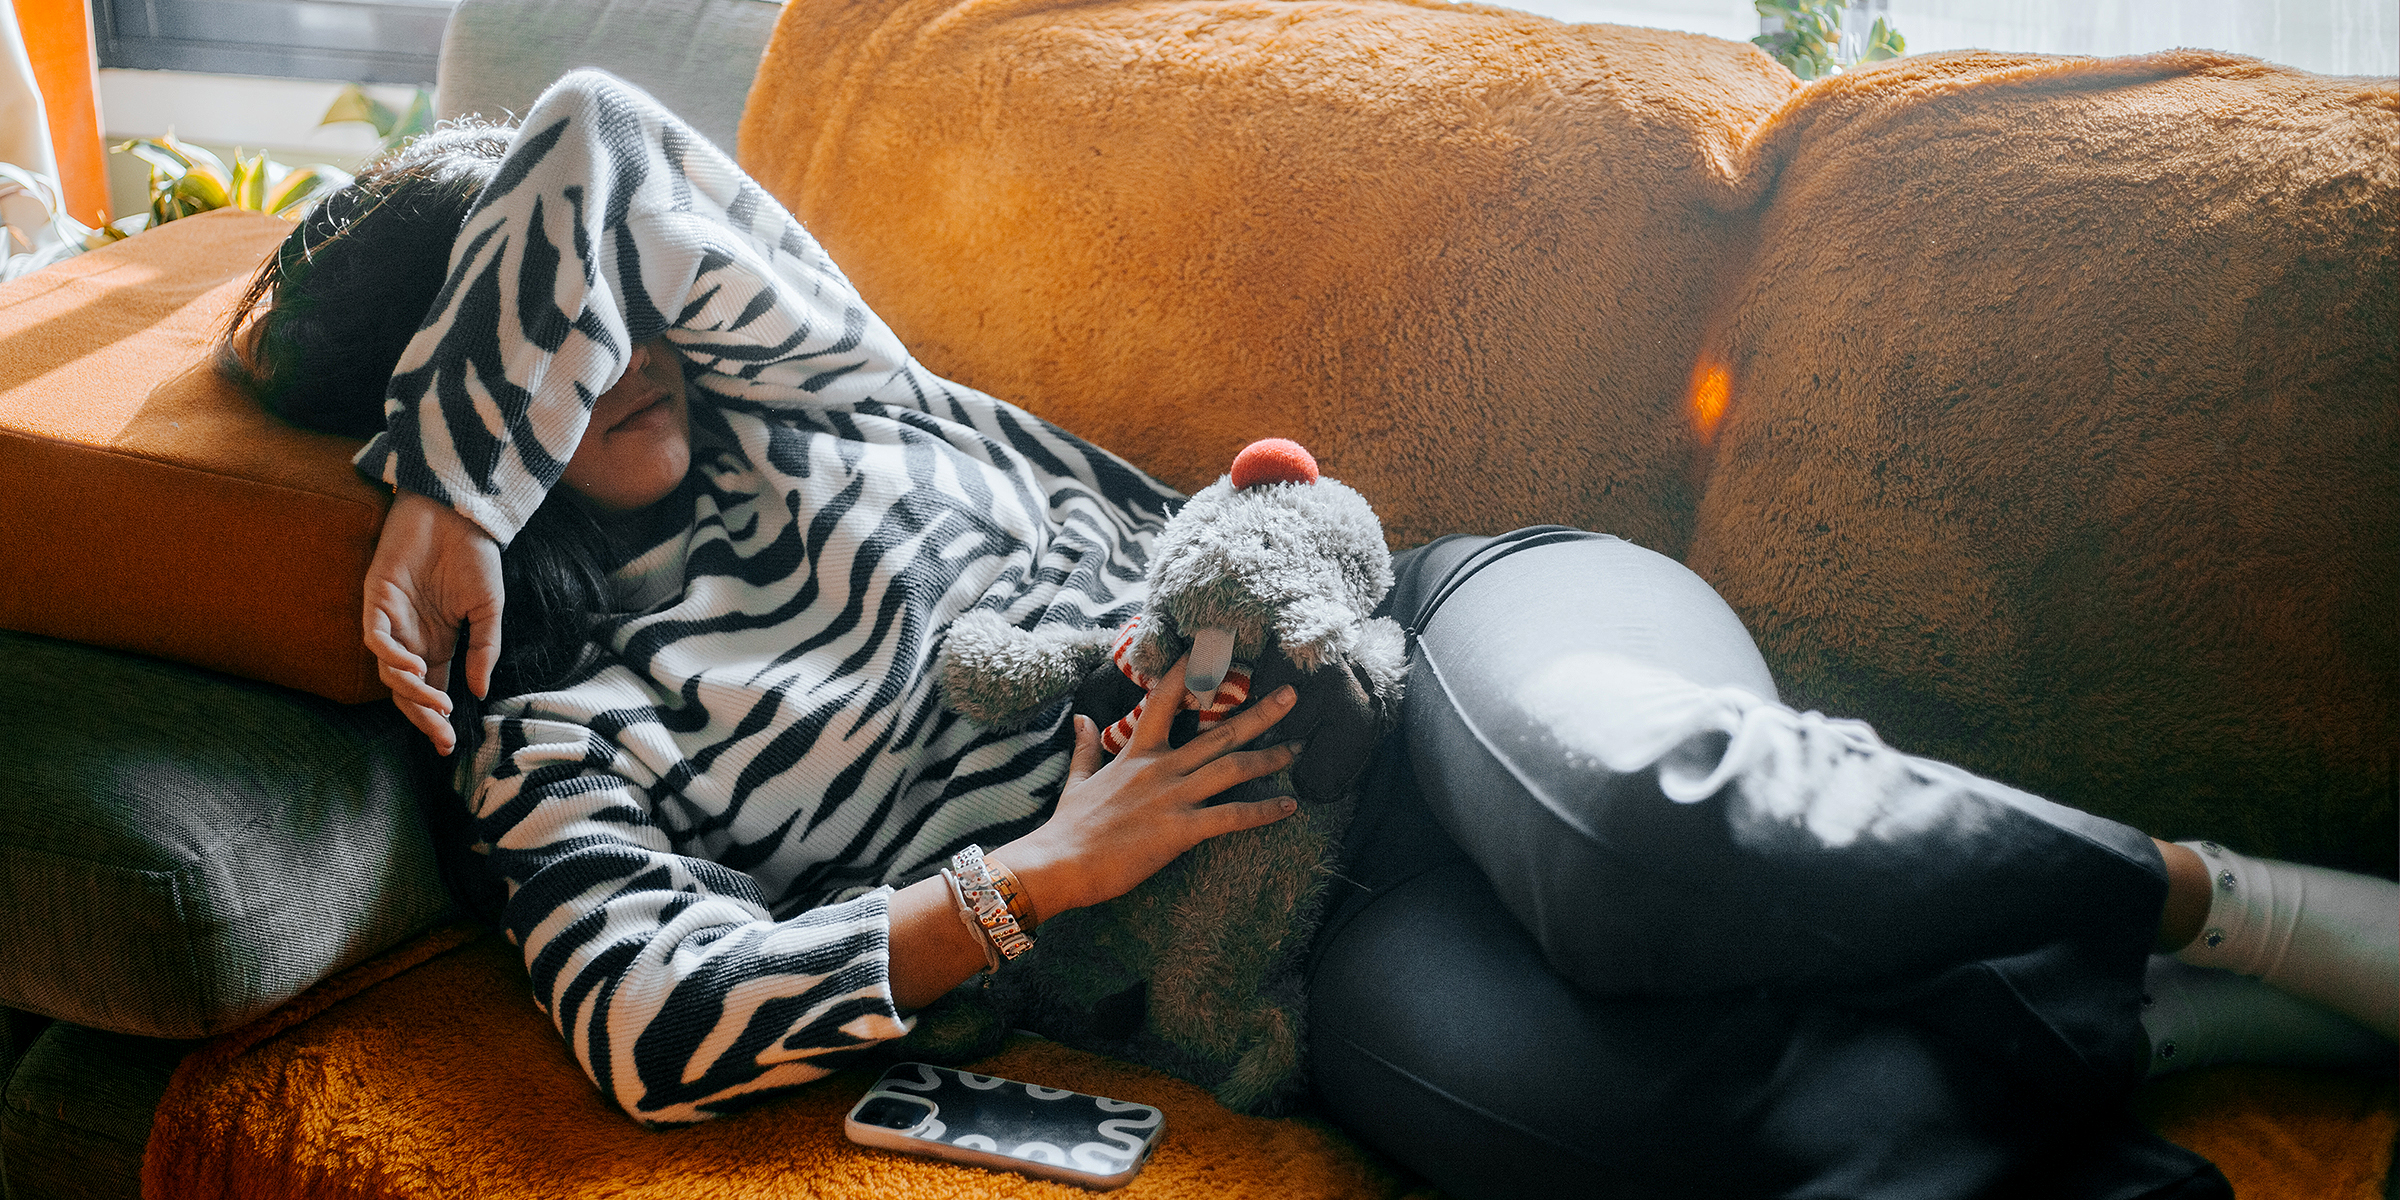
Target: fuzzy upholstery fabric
2279,1133
442,1079
429,1072
2059,438
1422,239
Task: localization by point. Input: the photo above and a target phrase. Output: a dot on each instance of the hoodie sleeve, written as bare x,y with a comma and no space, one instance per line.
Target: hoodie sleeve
608,223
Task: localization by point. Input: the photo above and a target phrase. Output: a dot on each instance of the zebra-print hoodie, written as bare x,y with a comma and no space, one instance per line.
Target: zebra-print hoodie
701,830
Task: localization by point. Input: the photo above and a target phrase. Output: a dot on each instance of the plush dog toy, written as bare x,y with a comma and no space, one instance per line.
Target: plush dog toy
1270,575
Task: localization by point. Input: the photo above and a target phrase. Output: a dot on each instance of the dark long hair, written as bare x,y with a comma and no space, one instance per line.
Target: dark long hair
316,334
555,576
315,337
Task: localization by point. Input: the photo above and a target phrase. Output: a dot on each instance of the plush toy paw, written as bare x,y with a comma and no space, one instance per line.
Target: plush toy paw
1000,675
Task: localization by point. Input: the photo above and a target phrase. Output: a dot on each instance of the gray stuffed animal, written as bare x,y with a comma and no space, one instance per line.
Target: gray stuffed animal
1270,575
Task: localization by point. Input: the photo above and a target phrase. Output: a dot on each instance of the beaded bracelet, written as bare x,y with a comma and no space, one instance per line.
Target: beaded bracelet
975,879
966,916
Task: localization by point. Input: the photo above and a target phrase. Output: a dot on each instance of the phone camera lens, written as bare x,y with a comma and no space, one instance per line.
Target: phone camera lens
892,1112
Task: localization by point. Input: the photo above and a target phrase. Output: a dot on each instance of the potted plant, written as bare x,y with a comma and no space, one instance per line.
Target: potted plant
1808,36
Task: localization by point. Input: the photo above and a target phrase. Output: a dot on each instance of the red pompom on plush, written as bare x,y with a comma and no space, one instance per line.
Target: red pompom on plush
1273,460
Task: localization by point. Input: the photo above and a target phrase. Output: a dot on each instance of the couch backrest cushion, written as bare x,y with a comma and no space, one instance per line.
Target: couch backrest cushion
181,851
1463,254
146,503
2064,433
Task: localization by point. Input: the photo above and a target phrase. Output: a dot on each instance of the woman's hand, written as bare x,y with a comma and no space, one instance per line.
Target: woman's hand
1117,825
433,569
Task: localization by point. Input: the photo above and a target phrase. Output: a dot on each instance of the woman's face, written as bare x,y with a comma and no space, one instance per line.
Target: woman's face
639,443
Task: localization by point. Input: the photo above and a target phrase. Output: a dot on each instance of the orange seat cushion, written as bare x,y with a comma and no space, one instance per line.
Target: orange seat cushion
147,504
429,1072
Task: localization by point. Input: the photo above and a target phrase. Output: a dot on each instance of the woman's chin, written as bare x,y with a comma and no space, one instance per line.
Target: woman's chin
634,486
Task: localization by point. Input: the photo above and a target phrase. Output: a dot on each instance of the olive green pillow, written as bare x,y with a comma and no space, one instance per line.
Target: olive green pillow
181,851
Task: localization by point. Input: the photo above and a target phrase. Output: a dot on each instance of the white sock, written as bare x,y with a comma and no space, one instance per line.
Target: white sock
2320,934
2197,1017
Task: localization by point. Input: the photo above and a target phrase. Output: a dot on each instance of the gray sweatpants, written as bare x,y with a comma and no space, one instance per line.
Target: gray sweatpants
1615,922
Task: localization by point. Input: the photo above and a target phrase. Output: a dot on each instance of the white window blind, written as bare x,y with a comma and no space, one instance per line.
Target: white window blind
2336,37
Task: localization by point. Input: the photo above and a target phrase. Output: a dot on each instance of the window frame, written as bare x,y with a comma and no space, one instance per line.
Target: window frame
365,41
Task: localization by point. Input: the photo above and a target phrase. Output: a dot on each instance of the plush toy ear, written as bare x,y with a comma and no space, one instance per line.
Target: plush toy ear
1380,656
998,674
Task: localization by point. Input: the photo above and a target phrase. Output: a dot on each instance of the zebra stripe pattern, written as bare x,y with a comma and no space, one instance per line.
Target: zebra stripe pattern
700,830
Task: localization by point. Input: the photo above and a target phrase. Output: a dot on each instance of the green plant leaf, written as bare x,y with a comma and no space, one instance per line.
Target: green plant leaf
163,159
418,119
354,104
199,191
1884,42
249,188
302,183
1809,42
199,159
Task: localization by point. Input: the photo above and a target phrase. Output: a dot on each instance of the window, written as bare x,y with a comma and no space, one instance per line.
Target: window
2336,37
373,41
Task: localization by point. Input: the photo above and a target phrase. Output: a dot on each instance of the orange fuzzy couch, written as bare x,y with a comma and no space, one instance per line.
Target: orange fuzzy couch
2040,411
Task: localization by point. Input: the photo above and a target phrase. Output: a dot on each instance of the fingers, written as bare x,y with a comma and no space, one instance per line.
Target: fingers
387,649
1158,711
483,654
1231,769
487,599
1087,751
411,688
1244,726
1249,814
425,708
434,726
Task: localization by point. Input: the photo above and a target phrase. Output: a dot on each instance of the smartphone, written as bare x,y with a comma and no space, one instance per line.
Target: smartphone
1053,1133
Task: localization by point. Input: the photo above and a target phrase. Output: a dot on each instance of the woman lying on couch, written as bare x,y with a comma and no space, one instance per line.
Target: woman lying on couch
1619,918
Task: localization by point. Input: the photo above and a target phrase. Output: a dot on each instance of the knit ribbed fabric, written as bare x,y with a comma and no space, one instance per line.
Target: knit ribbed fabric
2320,934
2197,1017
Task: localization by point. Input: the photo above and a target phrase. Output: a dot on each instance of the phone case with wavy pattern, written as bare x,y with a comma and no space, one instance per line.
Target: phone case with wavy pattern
1094,1141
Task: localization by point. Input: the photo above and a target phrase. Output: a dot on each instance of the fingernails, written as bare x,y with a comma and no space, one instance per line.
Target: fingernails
1295,747
1285,694
1289,805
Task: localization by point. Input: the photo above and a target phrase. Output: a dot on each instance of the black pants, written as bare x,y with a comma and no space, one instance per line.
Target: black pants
1613,922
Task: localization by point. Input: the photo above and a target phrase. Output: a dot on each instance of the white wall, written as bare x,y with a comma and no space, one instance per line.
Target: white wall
1734,19
279,114
2335,37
